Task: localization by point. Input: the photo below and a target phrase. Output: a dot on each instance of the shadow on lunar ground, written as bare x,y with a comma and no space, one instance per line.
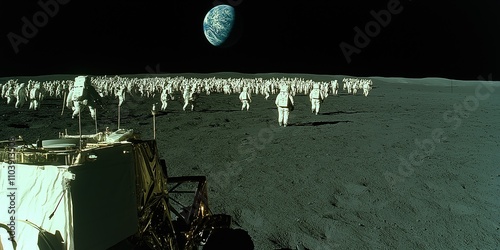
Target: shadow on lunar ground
341,112
219,110
188,110
18,125
251,146
318,123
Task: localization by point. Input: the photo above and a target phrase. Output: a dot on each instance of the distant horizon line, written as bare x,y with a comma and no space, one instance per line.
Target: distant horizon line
238,74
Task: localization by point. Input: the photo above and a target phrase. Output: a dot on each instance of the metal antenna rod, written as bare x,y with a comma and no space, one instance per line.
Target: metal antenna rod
95,120
80,125
118,116
153,112
64,102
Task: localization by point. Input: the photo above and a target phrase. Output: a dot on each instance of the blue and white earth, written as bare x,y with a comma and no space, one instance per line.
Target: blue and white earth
218,24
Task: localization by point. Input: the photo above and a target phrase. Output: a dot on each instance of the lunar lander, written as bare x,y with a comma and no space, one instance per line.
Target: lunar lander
108,190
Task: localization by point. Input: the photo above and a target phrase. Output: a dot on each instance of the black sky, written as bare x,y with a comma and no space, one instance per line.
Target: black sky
452,39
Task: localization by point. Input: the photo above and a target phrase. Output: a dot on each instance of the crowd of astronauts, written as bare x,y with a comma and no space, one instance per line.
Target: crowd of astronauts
34,92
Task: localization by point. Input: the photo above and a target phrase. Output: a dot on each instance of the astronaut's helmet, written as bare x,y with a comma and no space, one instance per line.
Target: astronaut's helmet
284,88
82,81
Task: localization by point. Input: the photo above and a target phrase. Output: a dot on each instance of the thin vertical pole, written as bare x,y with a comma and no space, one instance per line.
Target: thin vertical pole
64,102
95,121
80,126
119,116
153,112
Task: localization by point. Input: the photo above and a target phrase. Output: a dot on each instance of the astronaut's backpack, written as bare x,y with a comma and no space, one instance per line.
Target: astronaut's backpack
283,100
315,94
34,93
79,88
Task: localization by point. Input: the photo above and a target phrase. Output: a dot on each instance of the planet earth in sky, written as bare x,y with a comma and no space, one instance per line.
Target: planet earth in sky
219,25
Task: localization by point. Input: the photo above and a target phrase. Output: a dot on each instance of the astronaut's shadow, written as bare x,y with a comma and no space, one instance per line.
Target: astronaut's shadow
318,123
162,113
341,112
219,110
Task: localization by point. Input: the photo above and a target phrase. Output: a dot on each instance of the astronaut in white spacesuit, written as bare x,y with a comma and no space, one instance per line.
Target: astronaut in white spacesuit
316,97
164,98
35,96
190,95
367,86
285,104
83,94
245,98
121,95
21,96
8,92
335,87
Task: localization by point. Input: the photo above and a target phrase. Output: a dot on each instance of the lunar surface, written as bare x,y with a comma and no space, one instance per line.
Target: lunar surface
414,165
